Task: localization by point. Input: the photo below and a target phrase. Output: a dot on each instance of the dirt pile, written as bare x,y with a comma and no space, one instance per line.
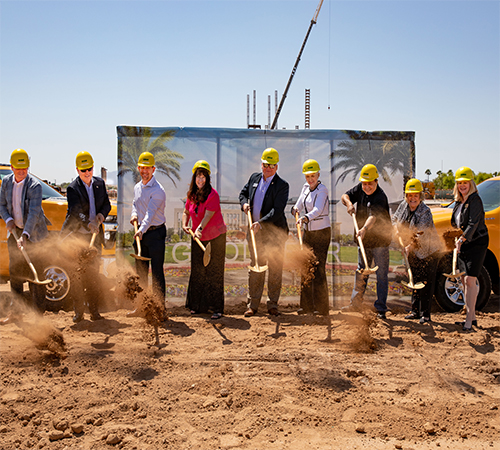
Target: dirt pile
291,382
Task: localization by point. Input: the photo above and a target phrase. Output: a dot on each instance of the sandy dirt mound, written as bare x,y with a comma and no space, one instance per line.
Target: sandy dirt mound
340,382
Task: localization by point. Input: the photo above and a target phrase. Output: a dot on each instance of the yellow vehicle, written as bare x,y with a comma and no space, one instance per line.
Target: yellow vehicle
449,293
55,205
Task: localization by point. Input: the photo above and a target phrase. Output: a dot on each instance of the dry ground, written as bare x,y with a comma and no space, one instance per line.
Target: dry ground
346,381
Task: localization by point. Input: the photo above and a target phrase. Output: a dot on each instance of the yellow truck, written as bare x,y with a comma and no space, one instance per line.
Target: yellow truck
449,292
55,205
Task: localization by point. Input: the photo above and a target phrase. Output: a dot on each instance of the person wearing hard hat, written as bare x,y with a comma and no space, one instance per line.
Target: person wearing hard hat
88,207
148,214
265,195
21,209
206,283
375,232
313,208
412,222
468,216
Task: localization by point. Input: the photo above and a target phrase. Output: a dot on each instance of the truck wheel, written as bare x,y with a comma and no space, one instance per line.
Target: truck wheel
449,292
59,293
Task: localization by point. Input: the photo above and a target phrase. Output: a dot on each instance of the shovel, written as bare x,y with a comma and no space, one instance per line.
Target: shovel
299,229
454,274
138,242
207,251
411,285
365,271
32,267
255,268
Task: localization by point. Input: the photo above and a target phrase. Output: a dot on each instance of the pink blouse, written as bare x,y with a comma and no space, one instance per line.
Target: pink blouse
216,225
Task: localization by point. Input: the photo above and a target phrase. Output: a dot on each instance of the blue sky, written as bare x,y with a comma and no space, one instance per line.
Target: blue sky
70,71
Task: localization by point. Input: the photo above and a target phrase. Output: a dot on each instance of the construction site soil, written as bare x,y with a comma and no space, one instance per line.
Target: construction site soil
346,381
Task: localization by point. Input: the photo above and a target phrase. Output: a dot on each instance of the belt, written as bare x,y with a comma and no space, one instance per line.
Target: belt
154,227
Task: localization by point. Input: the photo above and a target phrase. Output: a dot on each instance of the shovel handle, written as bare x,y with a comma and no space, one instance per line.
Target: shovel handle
197,240
92,240
27,258
137,240
407,263
360,241
252,235
299,229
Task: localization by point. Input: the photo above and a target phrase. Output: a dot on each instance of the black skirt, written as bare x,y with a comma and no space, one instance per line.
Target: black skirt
471,256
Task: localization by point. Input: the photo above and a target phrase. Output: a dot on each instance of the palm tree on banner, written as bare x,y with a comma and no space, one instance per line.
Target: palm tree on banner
389,157
135,140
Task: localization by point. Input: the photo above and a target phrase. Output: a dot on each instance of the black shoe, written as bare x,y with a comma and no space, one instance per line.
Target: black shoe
381,315
77,318
474,322
302,311
425,319
273,311
95,317
412,315
464,328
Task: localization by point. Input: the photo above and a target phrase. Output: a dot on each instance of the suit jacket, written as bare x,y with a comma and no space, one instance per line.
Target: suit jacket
274,203
78,212
35,222
472,218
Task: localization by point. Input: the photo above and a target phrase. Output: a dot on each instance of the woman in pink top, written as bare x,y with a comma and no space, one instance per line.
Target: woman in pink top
206,284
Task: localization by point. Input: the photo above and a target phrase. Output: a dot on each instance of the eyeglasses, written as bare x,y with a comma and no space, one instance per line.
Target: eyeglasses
266,165
87,170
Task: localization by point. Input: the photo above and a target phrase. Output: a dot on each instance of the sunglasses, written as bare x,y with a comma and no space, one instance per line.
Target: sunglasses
271,166
87,170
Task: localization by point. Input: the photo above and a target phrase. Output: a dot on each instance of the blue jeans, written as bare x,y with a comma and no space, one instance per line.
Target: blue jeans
380,257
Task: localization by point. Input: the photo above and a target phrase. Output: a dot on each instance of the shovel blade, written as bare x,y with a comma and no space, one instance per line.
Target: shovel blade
139,257
412,285
258,269
207,254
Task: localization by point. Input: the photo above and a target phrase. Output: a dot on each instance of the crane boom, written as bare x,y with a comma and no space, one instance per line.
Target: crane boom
283,97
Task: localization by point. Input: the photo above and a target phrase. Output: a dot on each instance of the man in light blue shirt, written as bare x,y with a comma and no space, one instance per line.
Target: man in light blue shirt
148,216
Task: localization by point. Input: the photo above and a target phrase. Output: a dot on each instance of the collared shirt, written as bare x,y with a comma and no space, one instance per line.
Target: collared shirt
315,203
149,204
259,195
17,203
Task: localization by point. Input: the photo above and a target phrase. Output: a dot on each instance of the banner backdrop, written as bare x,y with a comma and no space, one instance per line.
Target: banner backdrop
233,155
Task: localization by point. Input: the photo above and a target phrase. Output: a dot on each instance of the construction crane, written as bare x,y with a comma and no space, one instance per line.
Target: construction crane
280,107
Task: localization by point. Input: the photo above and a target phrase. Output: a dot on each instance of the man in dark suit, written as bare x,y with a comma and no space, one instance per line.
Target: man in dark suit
265,195
88,206
21,208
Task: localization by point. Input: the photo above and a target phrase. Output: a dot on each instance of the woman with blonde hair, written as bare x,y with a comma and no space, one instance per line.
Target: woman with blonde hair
468,215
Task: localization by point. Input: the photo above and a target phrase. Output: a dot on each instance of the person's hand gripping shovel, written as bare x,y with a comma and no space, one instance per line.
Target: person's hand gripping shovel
454,274
255,268
30,264
366,270
411,284
138,242
207,251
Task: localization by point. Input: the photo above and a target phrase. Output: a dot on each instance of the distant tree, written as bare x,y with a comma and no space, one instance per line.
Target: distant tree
444,180
481,176
136,140
389,157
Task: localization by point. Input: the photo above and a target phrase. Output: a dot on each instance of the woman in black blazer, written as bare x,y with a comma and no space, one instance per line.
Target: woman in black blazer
468,215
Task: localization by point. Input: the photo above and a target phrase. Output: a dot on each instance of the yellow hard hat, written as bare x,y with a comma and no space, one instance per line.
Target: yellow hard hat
413,186
270,156
368,173
84,161
201,164
310,166
19,159
464,174
146,159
